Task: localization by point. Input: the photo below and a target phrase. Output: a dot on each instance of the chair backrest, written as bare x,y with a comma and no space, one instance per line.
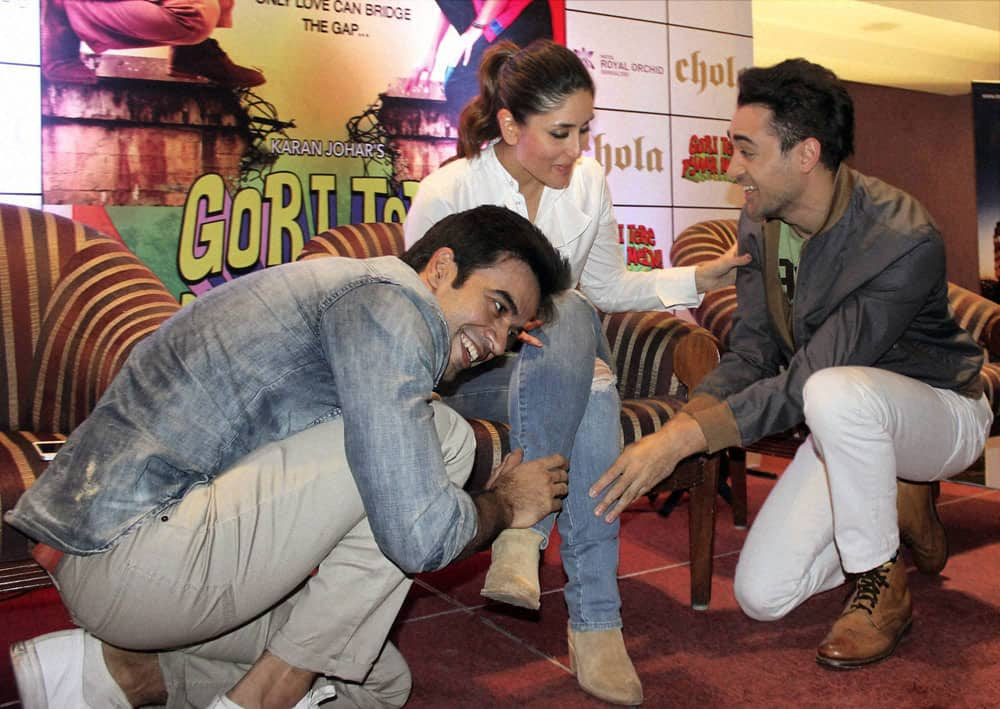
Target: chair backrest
73,303
356,241
702,242
649,355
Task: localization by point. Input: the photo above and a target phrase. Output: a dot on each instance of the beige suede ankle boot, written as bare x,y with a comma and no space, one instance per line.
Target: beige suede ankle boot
603,667
513,574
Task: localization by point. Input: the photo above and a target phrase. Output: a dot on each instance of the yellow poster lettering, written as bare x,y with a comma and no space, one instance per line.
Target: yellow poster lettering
202,240
284,193
246,211
324,187
394,210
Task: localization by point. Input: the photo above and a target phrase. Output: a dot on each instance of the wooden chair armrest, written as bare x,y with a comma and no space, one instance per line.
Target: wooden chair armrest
696,355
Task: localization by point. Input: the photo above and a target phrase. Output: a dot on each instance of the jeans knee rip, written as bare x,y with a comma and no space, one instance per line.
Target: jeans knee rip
604,379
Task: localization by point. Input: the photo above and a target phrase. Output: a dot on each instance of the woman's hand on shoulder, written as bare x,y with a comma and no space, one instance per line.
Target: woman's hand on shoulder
719,272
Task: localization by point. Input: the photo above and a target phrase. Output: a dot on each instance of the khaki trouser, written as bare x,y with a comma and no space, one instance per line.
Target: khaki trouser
225,574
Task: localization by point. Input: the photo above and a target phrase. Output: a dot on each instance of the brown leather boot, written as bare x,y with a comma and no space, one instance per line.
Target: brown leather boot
513,574
920,528
207,60
603,667
61,48
877,616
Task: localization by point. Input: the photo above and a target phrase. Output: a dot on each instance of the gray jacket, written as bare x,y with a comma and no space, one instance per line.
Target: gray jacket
871,291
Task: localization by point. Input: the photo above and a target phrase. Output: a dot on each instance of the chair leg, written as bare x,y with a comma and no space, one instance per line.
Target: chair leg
670,503
735,460
701,528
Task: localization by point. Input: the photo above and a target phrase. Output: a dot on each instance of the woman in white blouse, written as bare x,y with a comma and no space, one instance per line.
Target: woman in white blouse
520,144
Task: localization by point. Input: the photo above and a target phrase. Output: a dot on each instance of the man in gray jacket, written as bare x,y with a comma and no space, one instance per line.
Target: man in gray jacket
281,424
842,323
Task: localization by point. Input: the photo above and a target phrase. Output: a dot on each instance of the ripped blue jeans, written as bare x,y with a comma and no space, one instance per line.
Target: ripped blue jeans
555,404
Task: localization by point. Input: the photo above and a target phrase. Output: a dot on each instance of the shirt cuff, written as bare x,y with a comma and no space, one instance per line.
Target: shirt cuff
676,288
716,421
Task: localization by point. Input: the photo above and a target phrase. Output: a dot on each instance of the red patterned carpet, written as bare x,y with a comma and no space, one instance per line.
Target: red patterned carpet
467,654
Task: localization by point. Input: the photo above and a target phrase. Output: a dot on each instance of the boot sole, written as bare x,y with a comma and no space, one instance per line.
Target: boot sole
835,664
511,599
201,78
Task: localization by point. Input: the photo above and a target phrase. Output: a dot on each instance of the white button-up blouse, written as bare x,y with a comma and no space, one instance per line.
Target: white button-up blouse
579,221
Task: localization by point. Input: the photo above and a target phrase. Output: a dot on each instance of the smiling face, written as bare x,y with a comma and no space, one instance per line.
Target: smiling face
771,181
544,149
487,312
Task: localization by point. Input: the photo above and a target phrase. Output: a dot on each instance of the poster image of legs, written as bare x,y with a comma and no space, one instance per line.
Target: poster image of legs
215,137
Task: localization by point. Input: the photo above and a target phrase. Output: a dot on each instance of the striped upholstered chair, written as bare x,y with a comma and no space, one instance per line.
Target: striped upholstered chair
705,240
657,357
73,303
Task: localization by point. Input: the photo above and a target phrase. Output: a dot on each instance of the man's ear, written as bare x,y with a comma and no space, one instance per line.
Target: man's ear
810,153
440,269
510,131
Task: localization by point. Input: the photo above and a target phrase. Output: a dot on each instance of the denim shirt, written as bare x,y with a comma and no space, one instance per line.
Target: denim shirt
254,361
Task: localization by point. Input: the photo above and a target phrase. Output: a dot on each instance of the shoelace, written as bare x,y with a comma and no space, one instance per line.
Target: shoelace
868,587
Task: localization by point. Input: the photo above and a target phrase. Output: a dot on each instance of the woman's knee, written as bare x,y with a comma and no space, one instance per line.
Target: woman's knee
575,322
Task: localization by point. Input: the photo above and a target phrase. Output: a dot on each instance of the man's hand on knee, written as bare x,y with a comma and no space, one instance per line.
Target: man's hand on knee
532,490
518,495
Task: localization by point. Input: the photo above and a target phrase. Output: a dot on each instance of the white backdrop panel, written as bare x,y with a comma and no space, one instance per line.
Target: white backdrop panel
704,68
21,129
627,58
19,23
719,15
634,149
653,10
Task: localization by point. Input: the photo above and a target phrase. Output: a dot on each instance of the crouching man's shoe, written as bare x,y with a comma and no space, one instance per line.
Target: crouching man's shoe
61,48
319,694
920,528
64,669
877,616
603,667
513,574
208,60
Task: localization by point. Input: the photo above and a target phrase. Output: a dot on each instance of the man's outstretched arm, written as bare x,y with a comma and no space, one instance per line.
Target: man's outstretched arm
645,463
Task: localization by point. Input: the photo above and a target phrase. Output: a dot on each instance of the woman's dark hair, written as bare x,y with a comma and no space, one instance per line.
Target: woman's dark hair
529,81
483,237
807,101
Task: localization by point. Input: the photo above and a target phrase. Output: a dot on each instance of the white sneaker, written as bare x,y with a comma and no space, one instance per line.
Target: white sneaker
50,672
314,697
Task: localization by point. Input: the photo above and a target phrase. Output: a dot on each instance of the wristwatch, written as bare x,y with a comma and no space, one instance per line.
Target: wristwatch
494,26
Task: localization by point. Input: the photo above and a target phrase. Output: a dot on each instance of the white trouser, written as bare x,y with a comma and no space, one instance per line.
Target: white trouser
833,510
216,577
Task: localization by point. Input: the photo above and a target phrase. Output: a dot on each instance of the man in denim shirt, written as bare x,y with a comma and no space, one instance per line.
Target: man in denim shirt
282,423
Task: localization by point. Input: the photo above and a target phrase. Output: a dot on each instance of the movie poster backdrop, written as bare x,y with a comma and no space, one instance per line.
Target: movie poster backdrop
360,101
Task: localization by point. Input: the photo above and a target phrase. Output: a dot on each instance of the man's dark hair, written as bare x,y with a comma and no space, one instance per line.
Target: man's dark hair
808,101
483,237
